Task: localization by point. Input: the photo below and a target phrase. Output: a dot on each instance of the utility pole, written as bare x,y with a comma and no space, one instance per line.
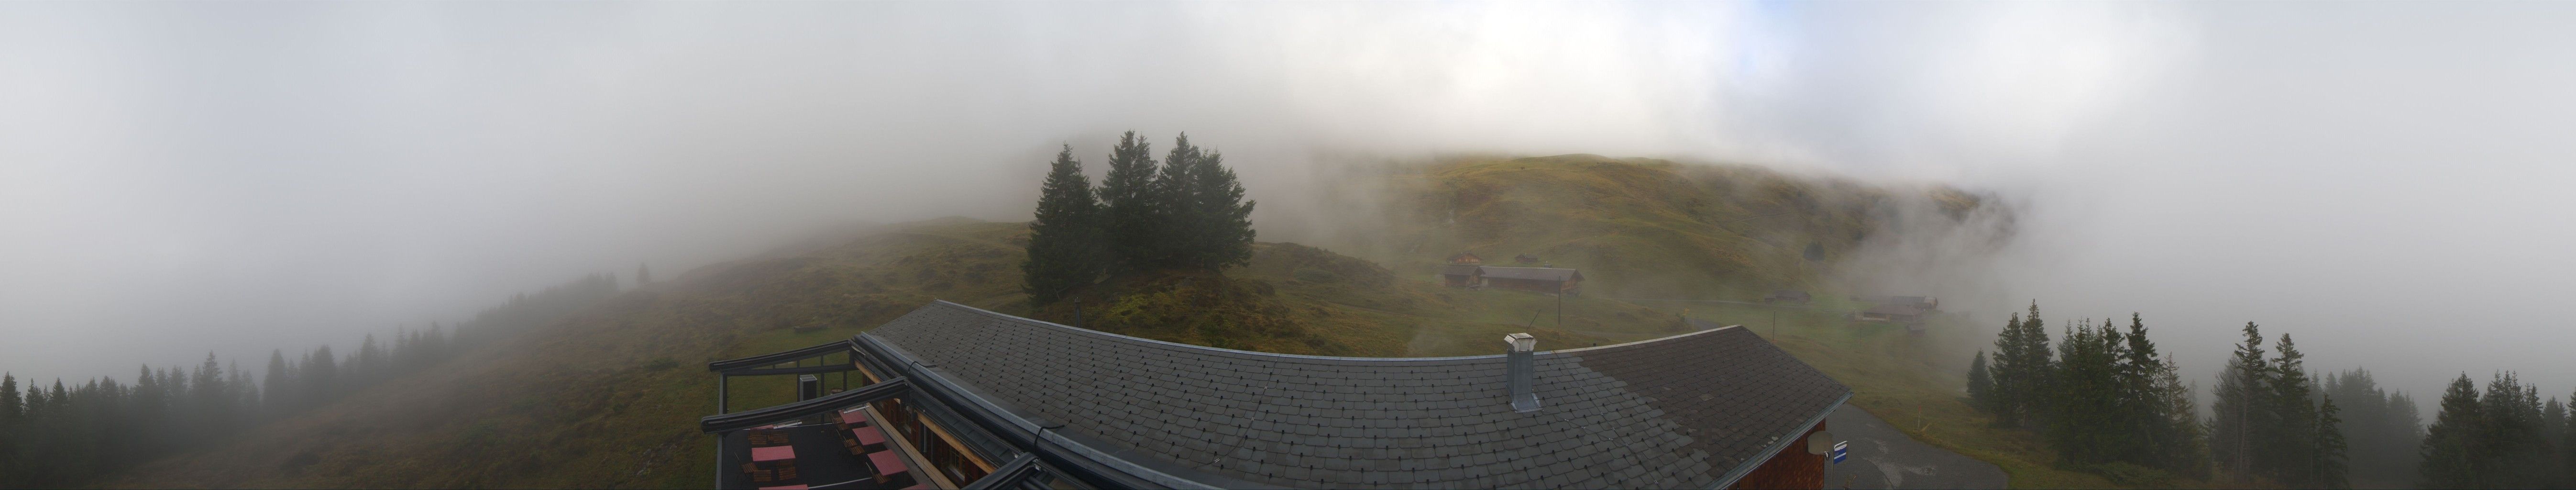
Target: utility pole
1560,306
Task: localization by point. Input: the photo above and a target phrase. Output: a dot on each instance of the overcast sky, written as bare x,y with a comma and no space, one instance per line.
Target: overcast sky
2387,181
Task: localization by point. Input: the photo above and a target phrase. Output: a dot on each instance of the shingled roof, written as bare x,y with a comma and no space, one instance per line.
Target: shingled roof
1692,410
1533,273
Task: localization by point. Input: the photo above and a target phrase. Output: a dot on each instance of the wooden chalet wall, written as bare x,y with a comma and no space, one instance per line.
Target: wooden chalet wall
1792,468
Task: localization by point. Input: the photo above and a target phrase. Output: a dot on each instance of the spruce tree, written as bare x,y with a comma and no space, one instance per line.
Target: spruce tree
643,275
2240,413
1222,220
2553,420
1182,219
2291,444
1066,246
2022,365
2087,420
2158,407
11,406
2515,456
2327,462
277,383
2186,442
2567,445
2452,453
2001,395
1980,384
1131,204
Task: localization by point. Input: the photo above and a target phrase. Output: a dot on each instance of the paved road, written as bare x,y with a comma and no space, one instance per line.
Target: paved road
1882,457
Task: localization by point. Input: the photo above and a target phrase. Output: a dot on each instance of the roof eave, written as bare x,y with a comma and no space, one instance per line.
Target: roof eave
1757,462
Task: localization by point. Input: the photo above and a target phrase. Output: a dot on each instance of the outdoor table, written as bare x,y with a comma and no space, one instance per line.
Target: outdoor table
773,453
887,463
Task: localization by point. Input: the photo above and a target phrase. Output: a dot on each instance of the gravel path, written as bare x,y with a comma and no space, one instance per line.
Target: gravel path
1882,457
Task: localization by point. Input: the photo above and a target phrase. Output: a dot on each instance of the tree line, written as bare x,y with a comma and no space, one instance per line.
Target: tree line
2505,437
2103,397
62,435
1188,212
2105,402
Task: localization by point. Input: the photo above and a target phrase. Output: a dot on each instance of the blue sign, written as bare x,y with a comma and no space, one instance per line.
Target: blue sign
1841,450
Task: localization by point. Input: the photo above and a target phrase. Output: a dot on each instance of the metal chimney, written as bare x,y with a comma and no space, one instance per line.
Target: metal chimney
1521,363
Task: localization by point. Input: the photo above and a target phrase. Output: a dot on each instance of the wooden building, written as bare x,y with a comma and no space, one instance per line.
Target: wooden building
959,397
1462,276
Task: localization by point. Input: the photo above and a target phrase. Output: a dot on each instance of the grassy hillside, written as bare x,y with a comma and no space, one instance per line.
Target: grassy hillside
610,398
1642,227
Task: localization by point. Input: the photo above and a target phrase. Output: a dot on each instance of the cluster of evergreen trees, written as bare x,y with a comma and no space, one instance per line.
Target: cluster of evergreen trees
70,434
2101,396
2505,438
1188,212
2270,421
2381,428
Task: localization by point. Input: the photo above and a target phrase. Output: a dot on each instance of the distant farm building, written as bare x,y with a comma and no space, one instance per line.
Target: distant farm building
1466,258
1525,259
1788,296
1910,311
1461,275
1541,279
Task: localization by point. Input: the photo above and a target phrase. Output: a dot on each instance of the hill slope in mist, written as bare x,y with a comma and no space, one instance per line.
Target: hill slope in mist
610,397
1650,228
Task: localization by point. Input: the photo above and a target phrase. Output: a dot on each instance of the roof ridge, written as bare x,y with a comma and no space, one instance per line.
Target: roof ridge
1011,317
1007,316
1647,341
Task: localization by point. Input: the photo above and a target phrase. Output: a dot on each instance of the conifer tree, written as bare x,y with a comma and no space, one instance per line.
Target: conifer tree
2022,365
277,382
2380,426
2088,419
2240,413
2567,444
1221,234
644,275
2515,454
12,407
2001,396
1132,205
2553,419
2186,439
1182,220
2291,444
1066,245
10,403
2452,454
2327,464
1980,384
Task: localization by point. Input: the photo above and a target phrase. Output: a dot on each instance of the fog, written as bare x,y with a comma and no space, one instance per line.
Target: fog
2383,180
